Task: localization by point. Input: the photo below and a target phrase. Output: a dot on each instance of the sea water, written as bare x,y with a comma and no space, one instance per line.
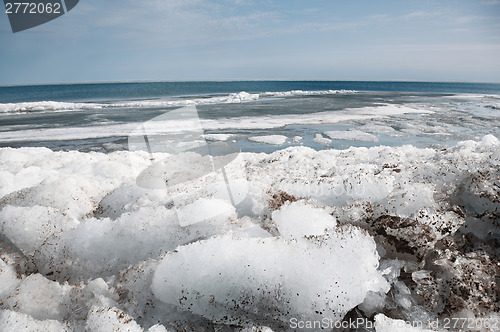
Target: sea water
100,116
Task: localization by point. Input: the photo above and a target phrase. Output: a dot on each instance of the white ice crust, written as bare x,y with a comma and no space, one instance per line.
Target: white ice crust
83,246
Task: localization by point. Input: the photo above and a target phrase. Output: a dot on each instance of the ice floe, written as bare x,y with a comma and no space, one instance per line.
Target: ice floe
351,135
178,125
41,106
269,139
320,139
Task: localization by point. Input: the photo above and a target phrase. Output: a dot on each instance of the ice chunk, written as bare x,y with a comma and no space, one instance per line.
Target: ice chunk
74,184
495,158
409,201
299,219
217,137
157,328
254,329
16,321
386,324
103,246
8,280
252,281
306,93
482,189
204,209
139,301
105,319
29,227
26,177
41,106
351,135
270,139
374,128
320,139
40,298
490,141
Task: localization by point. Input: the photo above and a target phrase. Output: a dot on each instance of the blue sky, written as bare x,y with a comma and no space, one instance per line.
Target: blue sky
115,40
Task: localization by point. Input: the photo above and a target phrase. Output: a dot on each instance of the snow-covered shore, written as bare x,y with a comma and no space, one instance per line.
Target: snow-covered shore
382,233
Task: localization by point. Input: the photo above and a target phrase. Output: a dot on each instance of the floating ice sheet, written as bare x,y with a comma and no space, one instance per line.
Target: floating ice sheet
270,139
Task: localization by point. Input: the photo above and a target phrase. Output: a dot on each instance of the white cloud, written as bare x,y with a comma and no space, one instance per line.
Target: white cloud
421,15
181,22
491,2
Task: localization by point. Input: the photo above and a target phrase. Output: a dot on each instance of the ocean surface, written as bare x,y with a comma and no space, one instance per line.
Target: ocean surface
260,116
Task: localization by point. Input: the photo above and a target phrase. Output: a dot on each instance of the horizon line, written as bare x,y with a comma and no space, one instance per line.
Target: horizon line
238,80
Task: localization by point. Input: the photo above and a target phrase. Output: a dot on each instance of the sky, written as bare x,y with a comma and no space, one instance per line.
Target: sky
168,40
